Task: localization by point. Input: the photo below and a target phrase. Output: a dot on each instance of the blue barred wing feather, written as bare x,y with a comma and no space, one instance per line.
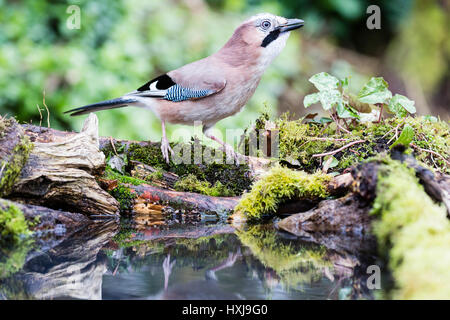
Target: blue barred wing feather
165,87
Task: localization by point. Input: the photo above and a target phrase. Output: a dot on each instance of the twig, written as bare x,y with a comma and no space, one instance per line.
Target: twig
48,112
339,126
3,168
430,151
392,129
325,128
40,115
327,138
113,146
309,139
381,114
338,150
396,132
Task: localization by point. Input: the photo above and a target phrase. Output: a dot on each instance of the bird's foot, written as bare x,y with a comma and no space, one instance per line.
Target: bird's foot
165,148
231,154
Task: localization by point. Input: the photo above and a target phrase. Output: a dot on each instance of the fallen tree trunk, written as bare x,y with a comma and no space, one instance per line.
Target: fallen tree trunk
59,172
147,196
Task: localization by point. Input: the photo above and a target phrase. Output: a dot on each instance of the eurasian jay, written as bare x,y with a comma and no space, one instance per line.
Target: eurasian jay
213,88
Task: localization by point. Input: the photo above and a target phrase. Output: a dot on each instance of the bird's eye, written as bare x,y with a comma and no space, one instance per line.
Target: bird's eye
265,24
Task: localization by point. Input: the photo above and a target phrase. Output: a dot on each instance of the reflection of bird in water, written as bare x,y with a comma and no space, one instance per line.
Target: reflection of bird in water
207,289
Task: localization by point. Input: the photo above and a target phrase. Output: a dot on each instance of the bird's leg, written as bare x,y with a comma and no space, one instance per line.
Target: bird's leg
167,267
226,147
229,262
165,147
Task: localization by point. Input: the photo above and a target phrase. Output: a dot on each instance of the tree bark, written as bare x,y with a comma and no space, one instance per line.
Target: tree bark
60,171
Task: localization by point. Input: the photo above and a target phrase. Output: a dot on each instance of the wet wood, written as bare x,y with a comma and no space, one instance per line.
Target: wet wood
342,224
220,206
71,270
60,171
186,233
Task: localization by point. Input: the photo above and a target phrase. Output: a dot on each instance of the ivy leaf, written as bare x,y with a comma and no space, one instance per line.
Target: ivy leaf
401,105
345,111
334,162
324,120
344,84
406,137
375,91
324,81
369,116
330,98
310,99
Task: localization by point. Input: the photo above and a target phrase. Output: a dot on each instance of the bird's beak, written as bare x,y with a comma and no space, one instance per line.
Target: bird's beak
291,24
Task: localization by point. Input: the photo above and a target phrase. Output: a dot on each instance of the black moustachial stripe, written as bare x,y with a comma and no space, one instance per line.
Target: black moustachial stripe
273,35
162,83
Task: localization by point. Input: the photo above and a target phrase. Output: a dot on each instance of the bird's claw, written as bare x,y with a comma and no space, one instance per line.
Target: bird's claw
167,265
165,148
237,157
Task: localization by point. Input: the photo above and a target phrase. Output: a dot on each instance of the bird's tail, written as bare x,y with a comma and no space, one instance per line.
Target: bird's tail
107,104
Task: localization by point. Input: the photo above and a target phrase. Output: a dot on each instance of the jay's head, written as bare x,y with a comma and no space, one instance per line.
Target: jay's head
263,35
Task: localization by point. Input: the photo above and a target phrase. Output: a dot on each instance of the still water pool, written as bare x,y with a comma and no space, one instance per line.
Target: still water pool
116,261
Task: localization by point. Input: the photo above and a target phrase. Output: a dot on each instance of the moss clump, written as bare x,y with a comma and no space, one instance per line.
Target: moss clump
124,196
190,183
234,179
10,168
13,226
278,185
111,174
414,233
12,258
294,264
122,193
299,141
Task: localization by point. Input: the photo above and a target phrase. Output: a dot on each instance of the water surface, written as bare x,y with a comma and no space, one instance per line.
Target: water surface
111,261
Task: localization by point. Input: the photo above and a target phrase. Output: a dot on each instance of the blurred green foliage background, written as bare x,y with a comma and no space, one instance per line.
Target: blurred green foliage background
122,44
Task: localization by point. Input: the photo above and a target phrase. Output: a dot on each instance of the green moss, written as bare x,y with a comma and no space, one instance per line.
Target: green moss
122,193
300,141
111,174
12,258
294,264
13,226
124,196
191,183
278,185
234,178
413,233
11,168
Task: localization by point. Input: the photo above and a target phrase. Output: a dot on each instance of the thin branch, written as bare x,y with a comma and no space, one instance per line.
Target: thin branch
326,126
113,146
40,115
430,151
396,132
392,129
327,139
3,168
336,120
338,150
48,112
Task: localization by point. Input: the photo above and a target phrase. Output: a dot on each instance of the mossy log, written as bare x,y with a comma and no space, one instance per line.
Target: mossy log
147,196
340,224
345,221
59,172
